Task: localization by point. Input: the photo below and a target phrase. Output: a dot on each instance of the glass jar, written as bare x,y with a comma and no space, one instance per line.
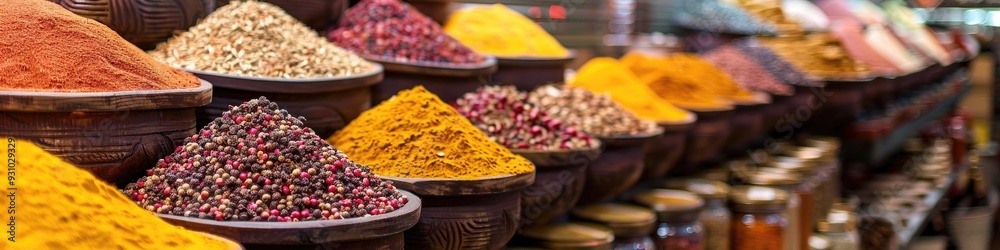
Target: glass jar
715,217
840,227
677,214
631,224
759,221
569,235
798,213
809,164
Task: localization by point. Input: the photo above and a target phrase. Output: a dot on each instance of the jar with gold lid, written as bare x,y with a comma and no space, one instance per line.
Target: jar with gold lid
796,238
677,214
841,228
631,224
822,157
569,236
715,217
813,190
759,220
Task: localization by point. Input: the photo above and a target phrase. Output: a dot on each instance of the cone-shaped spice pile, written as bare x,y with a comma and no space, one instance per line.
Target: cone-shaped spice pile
258,163
394,31
46,48
416,135
505,115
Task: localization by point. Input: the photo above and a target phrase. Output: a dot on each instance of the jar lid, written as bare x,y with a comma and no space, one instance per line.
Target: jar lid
671,205
820,242
758,199
826,143
624,220
769,178
790,163
705,188
808,154
569,234
837,222
720,174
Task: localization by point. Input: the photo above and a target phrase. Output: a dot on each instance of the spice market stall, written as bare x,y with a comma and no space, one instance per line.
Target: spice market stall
367,125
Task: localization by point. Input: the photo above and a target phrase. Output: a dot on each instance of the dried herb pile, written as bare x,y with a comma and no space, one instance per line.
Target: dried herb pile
259,40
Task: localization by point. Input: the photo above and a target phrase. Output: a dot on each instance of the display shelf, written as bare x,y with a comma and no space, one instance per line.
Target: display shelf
880,149
916,222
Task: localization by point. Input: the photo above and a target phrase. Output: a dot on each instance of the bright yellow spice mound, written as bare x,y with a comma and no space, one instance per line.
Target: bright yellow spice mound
608,75
687,81
500,31
416,135
62,207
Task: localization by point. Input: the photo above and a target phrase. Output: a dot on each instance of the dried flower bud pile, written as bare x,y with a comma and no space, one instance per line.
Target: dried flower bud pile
258,163
504,114
394,31
259,40
594,114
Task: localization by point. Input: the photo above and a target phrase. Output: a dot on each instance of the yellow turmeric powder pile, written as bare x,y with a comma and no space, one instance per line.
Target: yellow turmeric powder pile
62,207
687,81
500,31
416,135
608,75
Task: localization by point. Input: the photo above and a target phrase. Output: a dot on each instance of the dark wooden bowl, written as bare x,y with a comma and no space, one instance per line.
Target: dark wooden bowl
328,104
437,10
663,154
447,81
527,73
619,167
559,180
706,138
115,135
230,244
774,112
143,23
318,14
465,214
375,232
747,123
845,99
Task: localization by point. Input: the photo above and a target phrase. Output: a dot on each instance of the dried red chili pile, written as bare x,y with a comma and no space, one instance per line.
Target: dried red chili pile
504,114
46,48
258,163
395,31
745,71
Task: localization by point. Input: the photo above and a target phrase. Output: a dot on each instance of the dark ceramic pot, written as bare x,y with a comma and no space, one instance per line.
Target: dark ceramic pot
664,153
527,73
448,82
559,181
619,167
328,104
465,214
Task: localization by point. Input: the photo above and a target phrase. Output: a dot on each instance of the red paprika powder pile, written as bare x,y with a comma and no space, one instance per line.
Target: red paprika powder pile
45,48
